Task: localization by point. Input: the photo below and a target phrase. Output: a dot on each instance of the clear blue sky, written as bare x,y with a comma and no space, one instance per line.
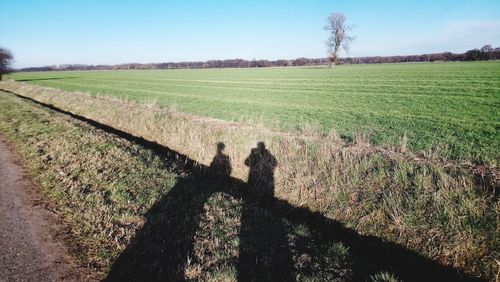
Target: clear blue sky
48,32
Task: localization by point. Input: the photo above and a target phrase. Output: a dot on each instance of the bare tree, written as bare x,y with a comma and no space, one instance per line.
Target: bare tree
338,35
5,61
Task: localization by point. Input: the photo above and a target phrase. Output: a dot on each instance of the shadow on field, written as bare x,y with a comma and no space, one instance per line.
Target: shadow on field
45,78
161,248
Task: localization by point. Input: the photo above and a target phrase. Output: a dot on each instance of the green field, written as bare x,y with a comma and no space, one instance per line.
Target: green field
452,108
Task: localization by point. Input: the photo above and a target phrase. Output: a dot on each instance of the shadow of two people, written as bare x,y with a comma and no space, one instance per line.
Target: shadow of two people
161,249
263,245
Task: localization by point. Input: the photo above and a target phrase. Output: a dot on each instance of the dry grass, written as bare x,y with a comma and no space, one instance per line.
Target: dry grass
434,207
76,168
108,190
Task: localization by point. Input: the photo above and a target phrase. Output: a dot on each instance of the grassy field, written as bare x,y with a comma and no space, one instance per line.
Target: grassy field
127,205
448,108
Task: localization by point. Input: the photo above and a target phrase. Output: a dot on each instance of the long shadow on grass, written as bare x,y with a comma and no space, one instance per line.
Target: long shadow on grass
45,78
160,249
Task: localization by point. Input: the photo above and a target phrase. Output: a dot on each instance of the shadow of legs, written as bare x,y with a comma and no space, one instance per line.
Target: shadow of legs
264,253
161,248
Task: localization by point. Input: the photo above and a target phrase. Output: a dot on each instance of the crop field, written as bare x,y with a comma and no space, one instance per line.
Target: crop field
449,108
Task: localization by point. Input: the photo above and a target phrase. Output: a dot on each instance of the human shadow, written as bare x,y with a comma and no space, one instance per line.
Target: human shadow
220,167
162,248
264,253
261,164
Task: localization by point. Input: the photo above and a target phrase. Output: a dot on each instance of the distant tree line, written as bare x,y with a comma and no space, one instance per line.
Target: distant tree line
485,53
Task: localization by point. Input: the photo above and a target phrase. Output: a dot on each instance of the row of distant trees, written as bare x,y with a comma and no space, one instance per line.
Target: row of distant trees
485,53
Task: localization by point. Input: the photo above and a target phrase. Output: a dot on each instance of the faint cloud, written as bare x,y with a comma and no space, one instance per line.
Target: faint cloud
459,36
457,30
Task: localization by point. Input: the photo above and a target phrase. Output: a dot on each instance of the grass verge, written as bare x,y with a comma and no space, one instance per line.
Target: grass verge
443,213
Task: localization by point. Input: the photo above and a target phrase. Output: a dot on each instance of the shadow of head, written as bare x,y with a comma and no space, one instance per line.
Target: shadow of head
261,146
220,147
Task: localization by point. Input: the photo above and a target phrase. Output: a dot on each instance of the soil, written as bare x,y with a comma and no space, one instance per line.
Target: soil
30,249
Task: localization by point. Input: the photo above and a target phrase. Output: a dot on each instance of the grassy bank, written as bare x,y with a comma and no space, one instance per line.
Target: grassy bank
441,212
114,196
97,183
448,108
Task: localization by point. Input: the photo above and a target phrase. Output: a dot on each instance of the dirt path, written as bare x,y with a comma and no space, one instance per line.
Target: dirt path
28,249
